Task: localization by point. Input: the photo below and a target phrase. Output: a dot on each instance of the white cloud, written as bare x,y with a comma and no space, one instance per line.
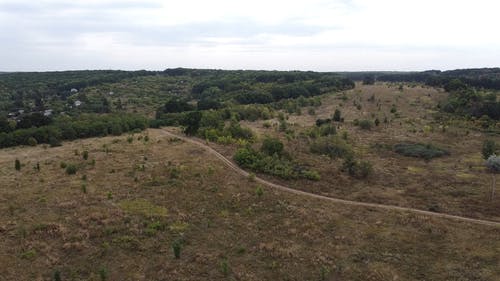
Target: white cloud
292,34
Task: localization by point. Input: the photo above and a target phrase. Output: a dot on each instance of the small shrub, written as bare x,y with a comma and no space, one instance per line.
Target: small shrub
327,130
337,115
176,247
377,122
175,173
57,275
489,148
320,122
63,165
365,124
32,141
419,150
311,175
365,169
393,109
103,274
54,142
85,155
224,267
17,165
251,177
30,254
130,139
357,169
334,147
84,188
259,191
71,169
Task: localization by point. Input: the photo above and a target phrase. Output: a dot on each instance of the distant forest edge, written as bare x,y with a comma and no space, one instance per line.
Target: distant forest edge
487,78
47,107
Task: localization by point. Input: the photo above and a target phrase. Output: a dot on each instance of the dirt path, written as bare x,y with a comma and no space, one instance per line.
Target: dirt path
331,199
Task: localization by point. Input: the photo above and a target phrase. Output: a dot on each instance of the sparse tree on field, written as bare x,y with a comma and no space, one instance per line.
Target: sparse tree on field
17,165
337,115
493,164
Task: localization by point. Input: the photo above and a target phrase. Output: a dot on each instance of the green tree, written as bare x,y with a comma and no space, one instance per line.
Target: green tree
271,146
337,115
493,164
17,165
192,122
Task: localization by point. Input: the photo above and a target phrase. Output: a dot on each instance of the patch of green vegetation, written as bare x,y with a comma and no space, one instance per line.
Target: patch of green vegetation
178,226
275,165
332,146
30,254
419,150
143,207
71,169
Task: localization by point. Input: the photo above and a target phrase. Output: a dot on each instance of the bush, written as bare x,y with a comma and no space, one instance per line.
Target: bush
334,147
489,148
176,247
365,169
365,124
57,275
419,150
85,155
245,157
320,122
327,130
17,165
272,165
259,191
358,169
54,142
32,141
337,115
311,175
271,146
71,169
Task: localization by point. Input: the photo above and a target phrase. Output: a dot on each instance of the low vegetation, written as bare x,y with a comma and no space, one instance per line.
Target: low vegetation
419,150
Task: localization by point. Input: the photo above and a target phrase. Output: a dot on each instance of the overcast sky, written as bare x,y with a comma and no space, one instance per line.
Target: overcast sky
317,35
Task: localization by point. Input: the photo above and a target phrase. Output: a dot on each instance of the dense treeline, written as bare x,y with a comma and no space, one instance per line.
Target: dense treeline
33,90
487,78
68,128
468,101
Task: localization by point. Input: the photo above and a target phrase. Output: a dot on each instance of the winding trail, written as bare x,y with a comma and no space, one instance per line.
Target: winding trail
326,198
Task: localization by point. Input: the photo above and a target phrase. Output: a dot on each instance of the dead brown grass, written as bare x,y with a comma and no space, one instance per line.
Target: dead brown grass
182,193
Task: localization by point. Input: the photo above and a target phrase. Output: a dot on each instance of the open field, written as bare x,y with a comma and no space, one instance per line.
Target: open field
119,215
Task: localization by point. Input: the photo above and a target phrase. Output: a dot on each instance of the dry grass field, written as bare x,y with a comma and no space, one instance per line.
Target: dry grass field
131,200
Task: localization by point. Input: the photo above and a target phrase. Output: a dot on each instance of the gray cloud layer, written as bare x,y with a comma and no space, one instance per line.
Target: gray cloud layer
321,35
